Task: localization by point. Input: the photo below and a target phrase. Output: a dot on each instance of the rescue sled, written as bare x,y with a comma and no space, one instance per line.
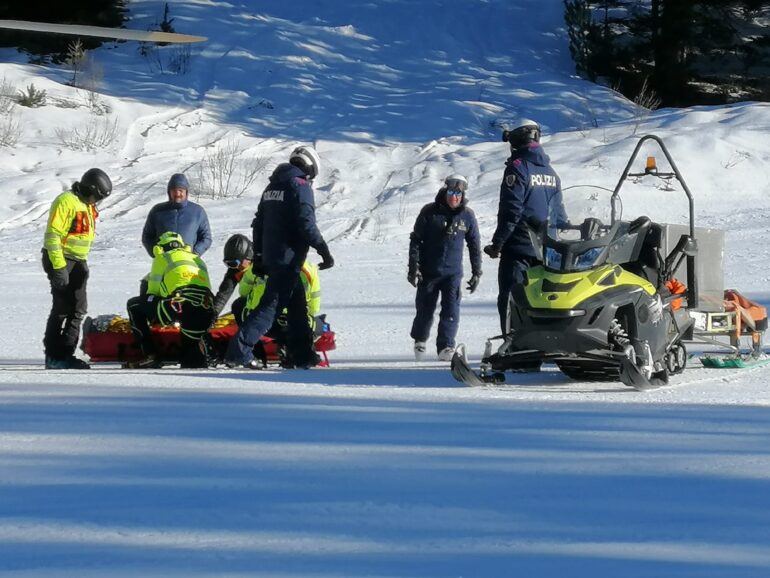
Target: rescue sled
108,338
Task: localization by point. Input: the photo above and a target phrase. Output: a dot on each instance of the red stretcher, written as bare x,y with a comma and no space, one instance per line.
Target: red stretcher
109,338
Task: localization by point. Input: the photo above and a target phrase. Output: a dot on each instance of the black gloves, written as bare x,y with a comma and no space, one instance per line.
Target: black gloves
414,278
327,259
473,282
492,251
60,278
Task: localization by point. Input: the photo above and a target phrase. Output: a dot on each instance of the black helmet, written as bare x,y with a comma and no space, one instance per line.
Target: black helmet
526,132
95,184
237,249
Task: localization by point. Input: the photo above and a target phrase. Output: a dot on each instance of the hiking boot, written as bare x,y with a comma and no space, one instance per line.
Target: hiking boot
419,350
446,354
52,363
312,361
75,363
253,364
150,361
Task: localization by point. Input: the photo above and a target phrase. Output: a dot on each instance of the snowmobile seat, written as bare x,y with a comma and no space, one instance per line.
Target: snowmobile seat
649,263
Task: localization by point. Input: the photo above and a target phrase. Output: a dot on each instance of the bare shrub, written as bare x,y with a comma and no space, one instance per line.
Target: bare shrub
7,96
90,82
10,130
100,132
228,171
644,103
179,59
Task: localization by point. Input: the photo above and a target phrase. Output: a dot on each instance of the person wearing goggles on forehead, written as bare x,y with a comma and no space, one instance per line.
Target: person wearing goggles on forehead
238,258
436,246
66,244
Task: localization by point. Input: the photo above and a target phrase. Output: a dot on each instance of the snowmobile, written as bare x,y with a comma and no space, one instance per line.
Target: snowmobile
605,304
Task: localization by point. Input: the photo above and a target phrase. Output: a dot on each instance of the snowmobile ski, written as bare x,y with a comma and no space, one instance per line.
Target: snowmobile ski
462,372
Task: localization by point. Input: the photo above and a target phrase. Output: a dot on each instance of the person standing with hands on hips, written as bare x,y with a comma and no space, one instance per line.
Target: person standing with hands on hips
284,229
531,189
436,264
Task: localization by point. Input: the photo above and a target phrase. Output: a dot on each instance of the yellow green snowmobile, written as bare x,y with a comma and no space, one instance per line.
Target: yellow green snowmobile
603,306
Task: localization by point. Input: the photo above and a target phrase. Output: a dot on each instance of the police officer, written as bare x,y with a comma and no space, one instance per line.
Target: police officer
66,245
180,215
178,291
530,189
284,229
436,264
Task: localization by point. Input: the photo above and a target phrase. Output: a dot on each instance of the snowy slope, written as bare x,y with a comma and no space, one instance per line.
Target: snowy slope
377,466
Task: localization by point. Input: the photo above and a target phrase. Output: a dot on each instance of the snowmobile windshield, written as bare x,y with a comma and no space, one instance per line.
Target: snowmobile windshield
581,247
578,233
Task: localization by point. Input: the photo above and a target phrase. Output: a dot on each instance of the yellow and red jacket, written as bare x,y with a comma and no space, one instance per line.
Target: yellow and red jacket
70,230
252,288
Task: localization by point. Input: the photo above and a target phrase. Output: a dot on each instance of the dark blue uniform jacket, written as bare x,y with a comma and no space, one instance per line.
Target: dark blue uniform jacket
530,188
186,218
285,225
436,243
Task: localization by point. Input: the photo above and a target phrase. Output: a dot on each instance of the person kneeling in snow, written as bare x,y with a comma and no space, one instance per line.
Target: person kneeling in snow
178,291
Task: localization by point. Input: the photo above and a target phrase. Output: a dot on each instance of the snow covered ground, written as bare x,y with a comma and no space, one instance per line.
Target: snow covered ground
378,466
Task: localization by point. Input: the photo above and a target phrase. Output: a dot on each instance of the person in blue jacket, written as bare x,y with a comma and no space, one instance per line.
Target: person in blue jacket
436,264
531,189
284,229
179,215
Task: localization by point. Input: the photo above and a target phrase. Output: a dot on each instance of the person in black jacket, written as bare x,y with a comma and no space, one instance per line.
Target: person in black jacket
531,189
436,264
284,229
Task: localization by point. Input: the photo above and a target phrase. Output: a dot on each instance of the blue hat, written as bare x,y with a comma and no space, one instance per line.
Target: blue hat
178,181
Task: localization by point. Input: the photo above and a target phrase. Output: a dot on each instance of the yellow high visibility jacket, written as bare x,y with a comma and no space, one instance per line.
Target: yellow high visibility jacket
70,230
252,288
172,270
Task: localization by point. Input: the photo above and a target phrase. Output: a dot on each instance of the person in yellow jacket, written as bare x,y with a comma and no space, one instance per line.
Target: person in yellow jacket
251,288
178,291
66,245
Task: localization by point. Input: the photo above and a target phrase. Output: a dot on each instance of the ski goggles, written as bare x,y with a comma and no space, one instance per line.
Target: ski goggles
233,263
451,193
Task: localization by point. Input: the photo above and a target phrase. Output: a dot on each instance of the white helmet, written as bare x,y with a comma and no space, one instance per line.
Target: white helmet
456,182
306,159
526,131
